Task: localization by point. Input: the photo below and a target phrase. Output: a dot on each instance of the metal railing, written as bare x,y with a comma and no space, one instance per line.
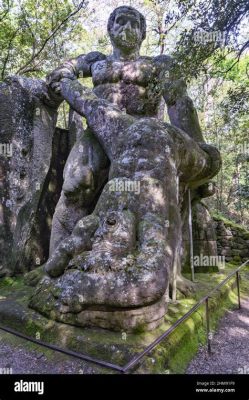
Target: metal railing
135,360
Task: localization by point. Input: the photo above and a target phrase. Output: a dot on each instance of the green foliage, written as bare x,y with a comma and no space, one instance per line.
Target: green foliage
34,34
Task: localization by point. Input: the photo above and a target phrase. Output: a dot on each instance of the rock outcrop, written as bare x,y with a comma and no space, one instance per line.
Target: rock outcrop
33,154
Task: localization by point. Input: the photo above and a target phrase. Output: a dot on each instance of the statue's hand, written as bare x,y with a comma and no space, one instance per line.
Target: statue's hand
53,79
174,90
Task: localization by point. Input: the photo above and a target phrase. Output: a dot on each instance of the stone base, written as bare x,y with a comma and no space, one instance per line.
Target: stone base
50,300
114,347
171,356
98,343
139,319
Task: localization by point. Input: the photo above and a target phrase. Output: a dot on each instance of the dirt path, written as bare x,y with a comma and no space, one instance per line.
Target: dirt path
230,346
23,360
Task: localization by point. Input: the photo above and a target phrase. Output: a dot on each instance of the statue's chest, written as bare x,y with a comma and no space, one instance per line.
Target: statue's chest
137,72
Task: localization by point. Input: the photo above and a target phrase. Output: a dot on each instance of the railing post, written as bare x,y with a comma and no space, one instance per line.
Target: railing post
238,288
191,247
208,327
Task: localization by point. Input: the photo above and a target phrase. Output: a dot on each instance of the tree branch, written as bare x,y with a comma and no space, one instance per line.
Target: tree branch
5,12
53,33
245,45
5,62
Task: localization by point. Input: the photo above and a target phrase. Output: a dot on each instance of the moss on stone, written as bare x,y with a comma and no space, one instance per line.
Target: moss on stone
229,223
171,356
237,259
7,281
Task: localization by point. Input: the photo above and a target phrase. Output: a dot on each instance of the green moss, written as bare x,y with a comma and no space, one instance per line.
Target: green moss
8,281
229,223
173,354
140,329
181,346
237,259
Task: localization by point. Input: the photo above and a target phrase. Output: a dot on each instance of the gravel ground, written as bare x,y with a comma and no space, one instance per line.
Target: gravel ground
23,360
230,346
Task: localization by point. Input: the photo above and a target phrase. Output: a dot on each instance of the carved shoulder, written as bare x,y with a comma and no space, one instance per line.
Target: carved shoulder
169,64
174,85
165,61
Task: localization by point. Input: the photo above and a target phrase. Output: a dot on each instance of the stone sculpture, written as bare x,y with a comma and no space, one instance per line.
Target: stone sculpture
135,84
116,239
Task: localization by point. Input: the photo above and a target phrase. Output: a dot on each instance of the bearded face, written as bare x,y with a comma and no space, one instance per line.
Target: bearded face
126,31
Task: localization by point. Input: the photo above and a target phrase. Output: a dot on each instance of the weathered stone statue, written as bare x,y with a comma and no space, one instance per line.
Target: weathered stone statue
135,84
115,250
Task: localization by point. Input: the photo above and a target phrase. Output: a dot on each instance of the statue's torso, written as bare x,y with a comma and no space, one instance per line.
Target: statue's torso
132,85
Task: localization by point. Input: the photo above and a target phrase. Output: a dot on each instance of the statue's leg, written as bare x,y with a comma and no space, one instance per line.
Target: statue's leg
78,241
85,174
185,286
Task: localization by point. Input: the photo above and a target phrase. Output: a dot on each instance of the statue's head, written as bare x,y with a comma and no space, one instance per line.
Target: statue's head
126,28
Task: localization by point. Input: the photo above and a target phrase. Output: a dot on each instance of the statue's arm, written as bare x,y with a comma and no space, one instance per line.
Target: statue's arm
74,68
82,65
180,106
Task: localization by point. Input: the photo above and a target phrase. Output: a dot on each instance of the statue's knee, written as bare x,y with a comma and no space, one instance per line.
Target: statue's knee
79,179
215,157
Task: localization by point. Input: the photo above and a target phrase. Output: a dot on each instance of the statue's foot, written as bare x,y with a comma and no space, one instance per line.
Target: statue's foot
56,264
185,286
33,277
